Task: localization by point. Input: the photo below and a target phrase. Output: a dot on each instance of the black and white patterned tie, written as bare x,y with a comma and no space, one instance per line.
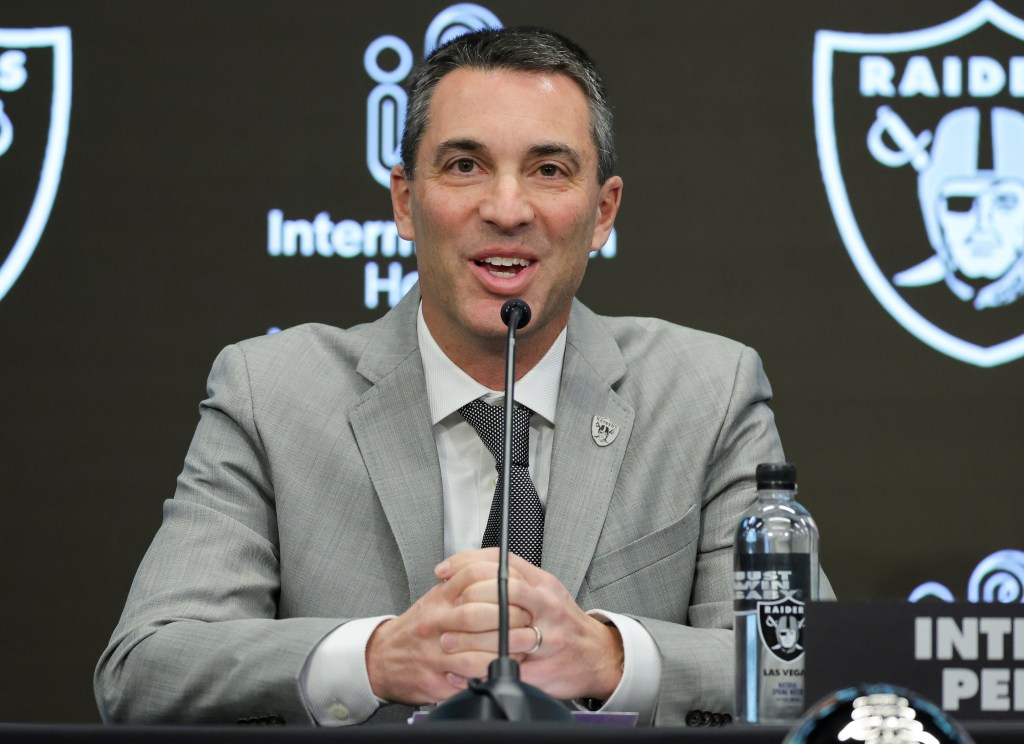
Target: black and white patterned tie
525,513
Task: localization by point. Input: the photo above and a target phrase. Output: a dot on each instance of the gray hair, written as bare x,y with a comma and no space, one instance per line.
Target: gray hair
520,49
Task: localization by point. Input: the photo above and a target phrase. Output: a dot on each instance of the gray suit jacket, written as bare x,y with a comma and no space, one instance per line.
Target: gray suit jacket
311,495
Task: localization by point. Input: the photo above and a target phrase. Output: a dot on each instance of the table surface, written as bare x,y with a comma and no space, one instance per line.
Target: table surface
440,733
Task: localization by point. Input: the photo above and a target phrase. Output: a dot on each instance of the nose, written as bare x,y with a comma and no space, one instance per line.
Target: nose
984,216
506,205
983,208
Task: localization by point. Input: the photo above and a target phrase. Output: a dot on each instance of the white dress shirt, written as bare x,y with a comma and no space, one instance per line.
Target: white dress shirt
334,680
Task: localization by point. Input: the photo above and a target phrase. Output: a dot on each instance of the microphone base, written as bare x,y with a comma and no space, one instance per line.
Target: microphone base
502,697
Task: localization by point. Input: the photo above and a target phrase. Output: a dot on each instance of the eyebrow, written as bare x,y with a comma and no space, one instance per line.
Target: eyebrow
560,150
547,149
447,147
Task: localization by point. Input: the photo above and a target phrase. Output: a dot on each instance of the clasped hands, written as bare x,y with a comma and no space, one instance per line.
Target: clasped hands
429,652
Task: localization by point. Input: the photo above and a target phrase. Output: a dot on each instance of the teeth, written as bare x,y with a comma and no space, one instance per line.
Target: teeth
506,261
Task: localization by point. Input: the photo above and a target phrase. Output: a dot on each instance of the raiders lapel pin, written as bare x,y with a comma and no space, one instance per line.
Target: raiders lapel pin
604,431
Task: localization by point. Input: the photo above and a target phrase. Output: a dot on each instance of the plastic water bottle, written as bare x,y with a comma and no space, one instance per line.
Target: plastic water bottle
776,572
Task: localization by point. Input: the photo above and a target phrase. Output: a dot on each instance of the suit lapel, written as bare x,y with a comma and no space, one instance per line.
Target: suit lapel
391,424
583,474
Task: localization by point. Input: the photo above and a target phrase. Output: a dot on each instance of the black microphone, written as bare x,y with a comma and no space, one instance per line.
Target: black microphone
504,697
523,317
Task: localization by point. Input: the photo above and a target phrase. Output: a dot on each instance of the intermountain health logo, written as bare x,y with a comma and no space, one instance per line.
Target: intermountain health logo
35,108
386,257
921,143
386,104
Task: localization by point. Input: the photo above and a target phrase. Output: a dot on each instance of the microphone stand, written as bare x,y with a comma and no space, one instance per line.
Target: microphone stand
503,696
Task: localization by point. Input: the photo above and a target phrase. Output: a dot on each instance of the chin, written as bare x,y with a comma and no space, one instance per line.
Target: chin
982,271
484,326
486,315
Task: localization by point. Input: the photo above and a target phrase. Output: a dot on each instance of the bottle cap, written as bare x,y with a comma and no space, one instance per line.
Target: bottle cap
772,475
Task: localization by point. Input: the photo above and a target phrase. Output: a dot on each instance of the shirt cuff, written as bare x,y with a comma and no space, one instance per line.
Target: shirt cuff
640,685
334,682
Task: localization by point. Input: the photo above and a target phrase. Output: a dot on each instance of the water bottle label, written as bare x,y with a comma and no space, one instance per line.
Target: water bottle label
780,625
769,576
769,592
775,587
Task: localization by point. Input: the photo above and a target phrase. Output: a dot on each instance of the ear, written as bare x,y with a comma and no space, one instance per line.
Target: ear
607,207
401,202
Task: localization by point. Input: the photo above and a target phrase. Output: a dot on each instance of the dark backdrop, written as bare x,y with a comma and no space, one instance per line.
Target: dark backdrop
191,121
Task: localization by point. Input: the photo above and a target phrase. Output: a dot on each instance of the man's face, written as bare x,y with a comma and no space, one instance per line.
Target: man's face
505,202
983,223
787,632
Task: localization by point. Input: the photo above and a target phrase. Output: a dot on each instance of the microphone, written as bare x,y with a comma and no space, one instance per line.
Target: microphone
523,318
503,696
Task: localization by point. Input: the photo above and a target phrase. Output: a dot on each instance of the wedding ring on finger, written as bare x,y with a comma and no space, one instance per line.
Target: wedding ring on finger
536,644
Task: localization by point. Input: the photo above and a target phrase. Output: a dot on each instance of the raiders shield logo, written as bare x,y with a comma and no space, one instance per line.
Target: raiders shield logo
35,108
781,627
921,143
604,430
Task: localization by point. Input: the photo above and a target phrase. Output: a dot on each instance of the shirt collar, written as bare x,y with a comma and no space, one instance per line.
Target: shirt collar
449,387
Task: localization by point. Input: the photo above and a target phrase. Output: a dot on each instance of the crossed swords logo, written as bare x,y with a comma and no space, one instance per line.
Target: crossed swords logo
913,148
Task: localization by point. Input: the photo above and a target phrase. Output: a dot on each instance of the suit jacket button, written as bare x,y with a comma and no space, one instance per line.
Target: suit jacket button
693,718
340,711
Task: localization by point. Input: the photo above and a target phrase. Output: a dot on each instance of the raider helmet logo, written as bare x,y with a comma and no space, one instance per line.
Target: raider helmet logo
921,142
35,107
781,627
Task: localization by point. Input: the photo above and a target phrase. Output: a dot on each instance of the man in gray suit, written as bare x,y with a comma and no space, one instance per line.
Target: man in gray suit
320,561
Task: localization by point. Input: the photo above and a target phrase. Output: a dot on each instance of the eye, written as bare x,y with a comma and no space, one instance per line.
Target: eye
959,203
464,165
549,170
1007,201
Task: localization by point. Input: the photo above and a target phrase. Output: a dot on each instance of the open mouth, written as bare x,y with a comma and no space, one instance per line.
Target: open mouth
503,266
